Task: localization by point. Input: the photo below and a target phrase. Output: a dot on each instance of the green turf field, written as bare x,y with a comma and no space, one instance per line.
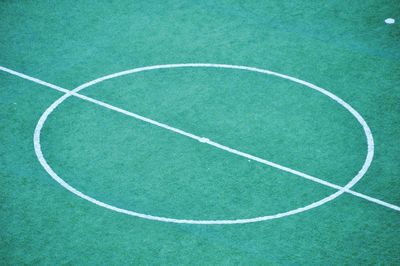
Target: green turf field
261,133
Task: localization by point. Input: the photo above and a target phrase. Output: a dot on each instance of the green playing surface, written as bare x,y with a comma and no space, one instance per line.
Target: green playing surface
131,164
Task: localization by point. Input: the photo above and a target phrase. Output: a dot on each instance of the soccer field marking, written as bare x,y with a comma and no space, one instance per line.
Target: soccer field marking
69,93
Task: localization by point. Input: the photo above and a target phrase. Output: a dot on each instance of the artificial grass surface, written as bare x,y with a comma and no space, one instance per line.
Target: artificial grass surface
345,48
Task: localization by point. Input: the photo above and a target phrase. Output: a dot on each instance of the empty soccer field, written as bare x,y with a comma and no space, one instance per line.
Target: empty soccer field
200,132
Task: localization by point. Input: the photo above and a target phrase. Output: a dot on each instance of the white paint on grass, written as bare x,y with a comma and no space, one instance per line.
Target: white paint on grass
204,140
390,21
341,190
38,81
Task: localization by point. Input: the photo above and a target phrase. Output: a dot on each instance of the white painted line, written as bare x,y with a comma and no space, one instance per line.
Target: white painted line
377,201
203,140
38,81
139,117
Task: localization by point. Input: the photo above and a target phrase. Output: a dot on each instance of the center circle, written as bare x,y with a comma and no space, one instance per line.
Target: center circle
56,177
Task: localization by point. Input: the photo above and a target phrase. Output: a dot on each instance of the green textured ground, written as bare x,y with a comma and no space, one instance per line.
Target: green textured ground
343,47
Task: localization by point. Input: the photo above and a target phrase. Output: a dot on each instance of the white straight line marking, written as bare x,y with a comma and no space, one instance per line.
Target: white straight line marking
201,139
371,199
38,81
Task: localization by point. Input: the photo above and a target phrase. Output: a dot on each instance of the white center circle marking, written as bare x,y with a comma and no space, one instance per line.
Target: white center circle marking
53,174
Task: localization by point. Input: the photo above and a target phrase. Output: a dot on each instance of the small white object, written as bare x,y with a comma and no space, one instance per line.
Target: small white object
204,140
390,21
